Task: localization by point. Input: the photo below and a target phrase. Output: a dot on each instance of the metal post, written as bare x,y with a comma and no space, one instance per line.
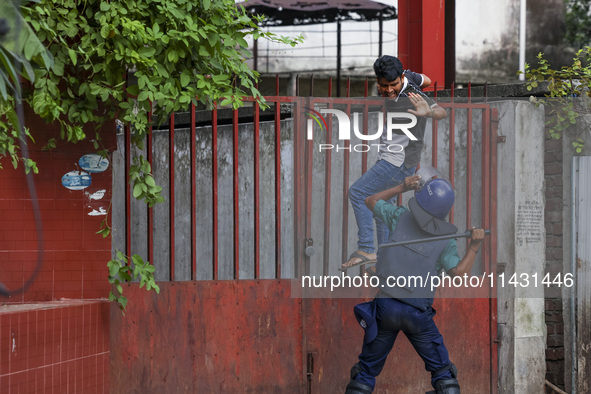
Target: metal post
339,58
381,35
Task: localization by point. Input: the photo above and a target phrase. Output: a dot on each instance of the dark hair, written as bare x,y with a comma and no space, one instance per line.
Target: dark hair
388,67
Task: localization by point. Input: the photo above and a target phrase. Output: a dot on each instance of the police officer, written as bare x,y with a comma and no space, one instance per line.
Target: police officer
408,308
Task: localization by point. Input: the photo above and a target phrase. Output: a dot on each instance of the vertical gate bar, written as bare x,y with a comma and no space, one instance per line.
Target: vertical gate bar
469,164
214,188
327,195
493,249
348,94
309,167
127,133
486,191
298,174
276,84
193,195
452,136
485,93
236,185
330,87
365,127
257,250
434,128
297,84
149,147
277,187
345,221
171,193
312,85
487,198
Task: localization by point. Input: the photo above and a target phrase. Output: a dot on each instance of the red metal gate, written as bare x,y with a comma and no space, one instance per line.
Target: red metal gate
300,345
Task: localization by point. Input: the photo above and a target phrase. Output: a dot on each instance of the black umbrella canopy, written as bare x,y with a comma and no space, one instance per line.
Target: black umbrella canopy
307,12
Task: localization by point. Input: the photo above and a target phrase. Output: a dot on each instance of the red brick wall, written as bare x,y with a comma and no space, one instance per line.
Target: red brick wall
74,257
57,347
53,338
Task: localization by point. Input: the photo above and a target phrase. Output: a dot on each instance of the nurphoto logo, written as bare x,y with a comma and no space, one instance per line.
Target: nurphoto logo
401,121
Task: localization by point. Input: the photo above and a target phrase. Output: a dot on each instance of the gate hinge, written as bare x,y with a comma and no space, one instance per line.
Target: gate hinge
501,138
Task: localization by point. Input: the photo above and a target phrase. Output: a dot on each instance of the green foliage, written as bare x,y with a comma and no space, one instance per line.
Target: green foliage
20,52
123,56
121,271
564,85
144,186
578,22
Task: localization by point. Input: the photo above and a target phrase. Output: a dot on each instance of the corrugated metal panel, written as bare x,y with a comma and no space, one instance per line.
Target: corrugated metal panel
582,191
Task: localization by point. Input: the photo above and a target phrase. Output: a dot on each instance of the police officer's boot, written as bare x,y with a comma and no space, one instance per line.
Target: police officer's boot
447,386
354,387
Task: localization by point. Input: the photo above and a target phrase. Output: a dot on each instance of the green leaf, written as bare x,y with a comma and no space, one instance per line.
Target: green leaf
133,90
143,96
220,78
147,52
203,51
150,181
185,79
113,268
137,260
121,257
137,190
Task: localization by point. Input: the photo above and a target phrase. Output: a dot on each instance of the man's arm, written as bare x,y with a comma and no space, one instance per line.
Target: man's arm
410,183
465,265
426,81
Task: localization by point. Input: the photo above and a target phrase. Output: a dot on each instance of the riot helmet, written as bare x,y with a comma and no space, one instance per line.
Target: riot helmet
436,197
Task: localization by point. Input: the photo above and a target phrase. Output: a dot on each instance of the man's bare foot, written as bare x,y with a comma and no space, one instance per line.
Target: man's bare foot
359,257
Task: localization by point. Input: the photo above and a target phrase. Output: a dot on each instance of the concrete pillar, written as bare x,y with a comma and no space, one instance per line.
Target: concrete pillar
521,248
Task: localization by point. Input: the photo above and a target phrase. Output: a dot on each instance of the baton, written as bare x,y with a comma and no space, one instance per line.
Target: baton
467,234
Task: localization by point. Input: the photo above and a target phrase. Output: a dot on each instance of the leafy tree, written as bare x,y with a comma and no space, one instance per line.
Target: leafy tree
578,22
124,58
20,50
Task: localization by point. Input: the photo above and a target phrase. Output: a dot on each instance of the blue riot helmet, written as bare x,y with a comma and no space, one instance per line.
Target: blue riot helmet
436,197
